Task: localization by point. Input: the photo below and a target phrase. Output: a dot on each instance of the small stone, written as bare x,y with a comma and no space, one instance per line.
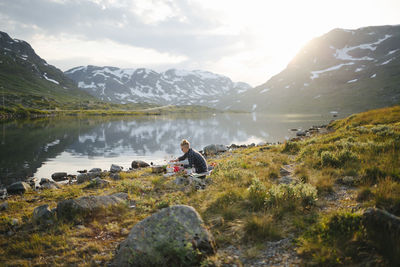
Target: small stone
14,222
139,164
115,168
284,172
157,169
115,176
59,176
3,206
42,214
95,170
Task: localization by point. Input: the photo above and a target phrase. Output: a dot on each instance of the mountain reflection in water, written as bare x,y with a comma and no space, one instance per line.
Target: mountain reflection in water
44,146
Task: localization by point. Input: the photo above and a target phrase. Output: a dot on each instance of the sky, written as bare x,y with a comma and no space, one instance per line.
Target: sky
246,40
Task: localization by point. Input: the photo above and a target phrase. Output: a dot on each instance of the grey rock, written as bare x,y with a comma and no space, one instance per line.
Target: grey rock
3,193
348,180
115,176
50,185
115,168
59,176
95,170
32,181
14,222
88,206
84,177
301,133
98,183
42,214
18,188
174,226
139,164
214,149
3,206
286,180
181,181
284,172
157,169
384,229
44,180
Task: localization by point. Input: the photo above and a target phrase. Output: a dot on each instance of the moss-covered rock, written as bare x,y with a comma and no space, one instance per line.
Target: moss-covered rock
88,206
175,235
384,229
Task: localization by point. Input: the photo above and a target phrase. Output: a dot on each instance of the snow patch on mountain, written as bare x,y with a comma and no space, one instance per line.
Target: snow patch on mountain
342,53
50,80
315,74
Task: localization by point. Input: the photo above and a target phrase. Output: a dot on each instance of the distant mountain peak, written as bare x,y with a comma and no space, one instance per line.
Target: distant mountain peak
173,86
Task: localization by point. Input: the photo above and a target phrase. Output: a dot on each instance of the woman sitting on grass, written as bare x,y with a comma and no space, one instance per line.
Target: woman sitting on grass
195,159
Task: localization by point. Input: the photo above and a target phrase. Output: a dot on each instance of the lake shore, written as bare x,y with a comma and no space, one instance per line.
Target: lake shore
301,202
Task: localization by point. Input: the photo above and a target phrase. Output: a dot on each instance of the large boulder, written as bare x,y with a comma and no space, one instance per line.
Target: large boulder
166,238
88,206
214,149
136,164
383,229
59,176
18,188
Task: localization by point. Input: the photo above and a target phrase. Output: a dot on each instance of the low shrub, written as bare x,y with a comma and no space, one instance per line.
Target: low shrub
291,195
291,147
334,240
256,194
328,159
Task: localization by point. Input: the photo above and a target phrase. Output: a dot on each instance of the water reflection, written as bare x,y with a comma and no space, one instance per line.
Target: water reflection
44,146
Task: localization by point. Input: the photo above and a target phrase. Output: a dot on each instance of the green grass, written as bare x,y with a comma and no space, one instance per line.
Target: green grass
243,206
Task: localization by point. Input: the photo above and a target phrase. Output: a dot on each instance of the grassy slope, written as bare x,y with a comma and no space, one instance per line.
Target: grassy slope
243,206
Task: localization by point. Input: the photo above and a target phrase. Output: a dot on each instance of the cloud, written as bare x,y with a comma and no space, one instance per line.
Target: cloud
247,40
175,27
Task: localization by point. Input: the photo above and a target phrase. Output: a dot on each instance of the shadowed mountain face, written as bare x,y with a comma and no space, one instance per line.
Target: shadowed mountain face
344,70
68,144
176,87
26,78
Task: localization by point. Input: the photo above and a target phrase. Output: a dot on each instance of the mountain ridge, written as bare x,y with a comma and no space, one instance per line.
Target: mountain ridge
28,80
343,70
173,86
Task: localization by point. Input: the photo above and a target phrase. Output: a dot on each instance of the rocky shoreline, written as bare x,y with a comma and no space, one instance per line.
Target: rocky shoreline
62,178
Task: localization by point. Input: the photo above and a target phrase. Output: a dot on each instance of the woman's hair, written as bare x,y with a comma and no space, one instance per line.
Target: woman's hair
185,142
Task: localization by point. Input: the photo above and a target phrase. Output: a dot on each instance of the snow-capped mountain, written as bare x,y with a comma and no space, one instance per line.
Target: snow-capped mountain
344,70
176,87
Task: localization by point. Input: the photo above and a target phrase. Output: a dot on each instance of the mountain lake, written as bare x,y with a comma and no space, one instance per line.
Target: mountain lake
38,148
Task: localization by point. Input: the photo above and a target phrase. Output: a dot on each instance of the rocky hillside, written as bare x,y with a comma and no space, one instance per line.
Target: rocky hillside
27,79
344,71
176,87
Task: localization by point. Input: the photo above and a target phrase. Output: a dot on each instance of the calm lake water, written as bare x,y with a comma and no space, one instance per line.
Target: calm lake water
41,147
